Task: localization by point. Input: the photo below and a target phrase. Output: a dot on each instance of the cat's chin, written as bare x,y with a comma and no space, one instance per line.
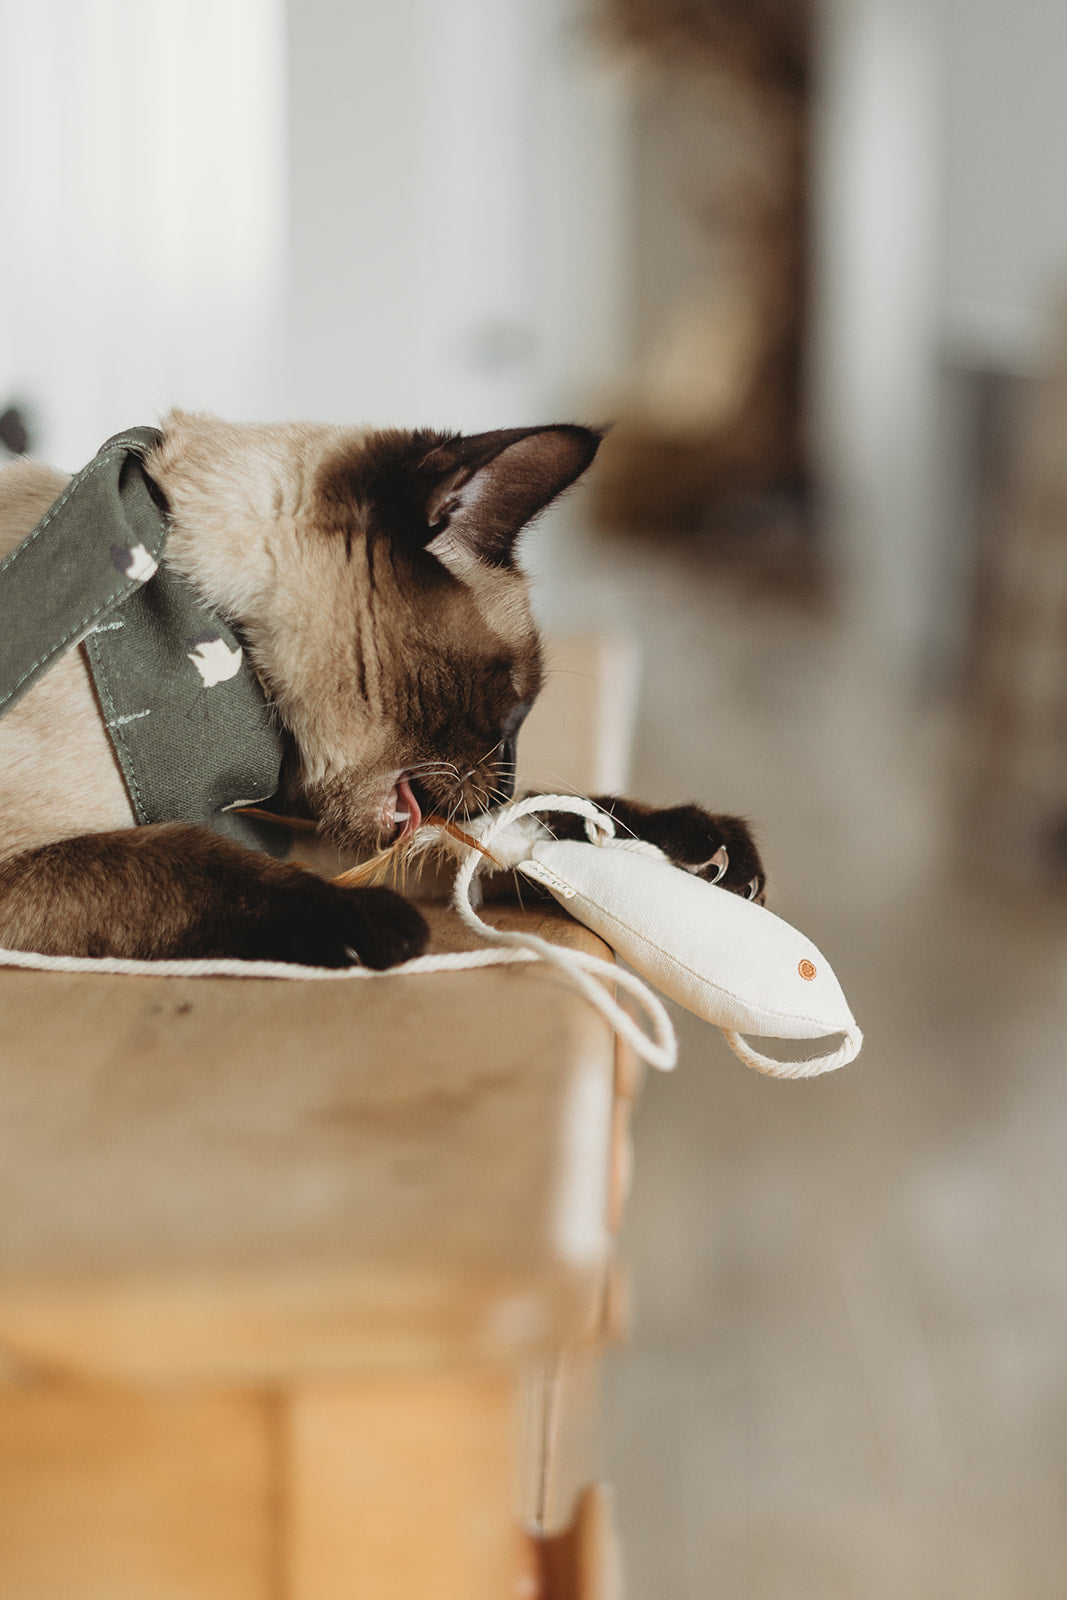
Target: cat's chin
353,819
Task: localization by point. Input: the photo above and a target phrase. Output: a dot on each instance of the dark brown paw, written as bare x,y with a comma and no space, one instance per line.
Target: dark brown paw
719,849
323,925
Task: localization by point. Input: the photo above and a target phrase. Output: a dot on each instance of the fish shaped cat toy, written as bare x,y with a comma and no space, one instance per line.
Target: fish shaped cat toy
724,958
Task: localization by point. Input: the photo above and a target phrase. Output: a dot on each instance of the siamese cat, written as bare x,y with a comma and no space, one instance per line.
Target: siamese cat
372,581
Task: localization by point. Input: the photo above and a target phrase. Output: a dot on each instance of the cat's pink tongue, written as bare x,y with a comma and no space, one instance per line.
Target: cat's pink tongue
408,813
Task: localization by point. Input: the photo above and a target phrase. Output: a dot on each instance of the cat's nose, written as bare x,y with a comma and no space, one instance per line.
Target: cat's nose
505,769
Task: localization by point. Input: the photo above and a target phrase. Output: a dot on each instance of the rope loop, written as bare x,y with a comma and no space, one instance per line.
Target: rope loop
812,1067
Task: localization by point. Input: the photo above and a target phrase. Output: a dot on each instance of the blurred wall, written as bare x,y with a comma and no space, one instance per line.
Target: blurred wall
940,239
142,193
423,211
1005,176
409,210
877,248
455,211
328,208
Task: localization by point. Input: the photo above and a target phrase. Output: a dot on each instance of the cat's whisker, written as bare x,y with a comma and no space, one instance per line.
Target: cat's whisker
562,785
443,772
424,769
624,827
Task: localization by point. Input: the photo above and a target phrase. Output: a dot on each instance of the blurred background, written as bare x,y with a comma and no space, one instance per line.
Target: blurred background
811,259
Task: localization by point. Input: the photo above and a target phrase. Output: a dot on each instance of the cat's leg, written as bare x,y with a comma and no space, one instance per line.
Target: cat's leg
720,849
176,891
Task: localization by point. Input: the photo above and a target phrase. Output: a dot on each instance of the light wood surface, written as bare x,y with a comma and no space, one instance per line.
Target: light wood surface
583,1561
211,1177
387,1488
400,1488
112,1495
273,1256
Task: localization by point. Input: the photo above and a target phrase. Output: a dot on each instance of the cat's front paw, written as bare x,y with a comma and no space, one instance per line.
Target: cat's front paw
719,849
322,924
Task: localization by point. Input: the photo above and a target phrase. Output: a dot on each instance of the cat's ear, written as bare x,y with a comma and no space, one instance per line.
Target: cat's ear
487,486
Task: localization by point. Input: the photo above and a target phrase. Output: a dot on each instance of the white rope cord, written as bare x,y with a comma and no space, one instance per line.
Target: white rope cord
116,966
847,1051
659,1047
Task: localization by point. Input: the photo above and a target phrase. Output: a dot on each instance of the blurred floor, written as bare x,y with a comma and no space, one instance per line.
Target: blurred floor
848,1376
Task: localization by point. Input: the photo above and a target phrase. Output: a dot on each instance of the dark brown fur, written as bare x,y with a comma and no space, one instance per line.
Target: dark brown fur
174,891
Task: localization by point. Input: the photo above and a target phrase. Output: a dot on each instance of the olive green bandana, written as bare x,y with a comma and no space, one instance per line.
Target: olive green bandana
189,722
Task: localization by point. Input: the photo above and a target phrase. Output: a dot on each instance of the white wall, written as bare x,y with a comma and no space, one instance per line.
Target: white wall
877,271
142,192
455,211
941,188
403,212
1005,217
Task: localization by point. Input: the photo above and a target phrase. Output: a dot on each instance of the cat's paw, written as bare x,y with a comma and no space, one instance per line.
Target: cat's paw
322,924
719,849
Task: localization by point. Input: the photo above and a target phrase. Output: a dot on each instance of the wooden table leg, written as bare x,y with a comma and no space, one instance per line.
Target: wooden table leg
152,1496
403,1487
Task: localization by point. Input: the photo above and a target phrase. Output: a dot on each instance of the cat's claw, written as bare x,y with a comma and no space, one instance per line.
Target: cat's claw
383,929
718,849
720,859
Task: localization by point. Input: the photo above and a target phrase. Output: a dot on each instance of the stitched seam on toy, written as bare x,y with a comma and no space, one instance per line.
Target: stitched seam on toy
121,748
785,1016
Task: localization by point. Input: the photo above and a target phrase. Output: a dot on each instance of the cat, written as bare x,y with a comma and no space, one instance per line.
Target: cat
370,576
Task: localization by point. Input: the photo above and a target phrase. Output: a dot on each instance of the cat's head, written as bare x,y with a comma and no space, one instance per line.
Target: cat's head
375,577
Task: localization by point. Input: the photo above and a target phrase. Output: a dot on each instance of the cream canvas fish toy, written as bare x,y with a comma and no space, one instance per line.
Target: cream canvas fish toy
723,957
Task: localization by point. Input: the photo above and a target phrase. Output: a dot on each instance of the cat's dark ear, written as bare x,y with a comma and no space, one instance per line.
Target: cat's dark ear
487,486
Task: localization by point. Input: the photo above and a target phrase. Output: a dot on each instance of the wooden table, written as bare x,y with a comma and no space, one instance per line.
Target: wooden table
296,1280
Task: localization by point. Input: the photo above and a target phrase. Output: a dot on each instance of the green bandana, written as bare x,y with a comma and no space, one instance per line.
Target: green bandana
190,725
